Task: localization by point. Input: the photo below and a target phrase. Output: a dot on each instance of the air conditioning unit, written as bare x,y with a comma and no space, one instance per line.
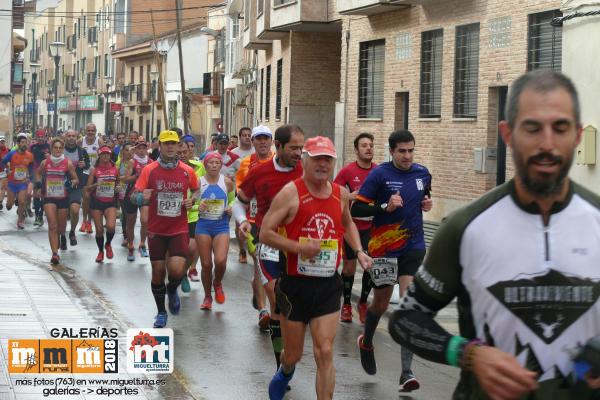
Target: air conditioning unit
240,95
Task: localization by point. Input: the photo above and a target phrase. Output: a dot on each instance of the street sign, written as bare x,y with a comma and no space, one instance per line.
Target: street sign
116,107
50,107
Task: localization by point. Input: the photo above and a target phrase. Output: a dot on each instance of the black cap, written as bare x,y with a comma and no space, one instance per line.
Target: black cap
222,138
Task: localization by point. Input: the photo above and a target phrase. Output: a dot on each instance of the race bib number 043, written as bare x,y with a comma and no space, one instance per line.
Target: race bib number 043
384,271
324,264
169,204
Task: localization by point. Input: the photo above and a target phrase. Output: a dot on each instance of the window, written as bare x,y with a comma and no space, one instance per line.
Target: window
430,101
278,90
106,65
544,42
260,7
403,46
370,79
235,26
466,71
268,93
262,92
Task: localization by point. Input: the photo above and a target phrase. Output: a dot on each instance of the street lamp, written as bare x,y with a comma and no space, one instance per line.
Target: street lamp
23,117
76,86
154,77
34,68
55,50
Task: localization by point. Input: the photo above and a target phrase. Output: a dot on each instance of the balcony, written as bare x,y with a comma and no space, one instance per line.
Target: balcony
263,24
373,7
249,39
302,16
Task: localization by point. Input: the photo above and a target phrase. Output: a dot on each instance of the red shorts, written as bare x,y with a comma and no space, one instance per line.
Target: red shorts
177,246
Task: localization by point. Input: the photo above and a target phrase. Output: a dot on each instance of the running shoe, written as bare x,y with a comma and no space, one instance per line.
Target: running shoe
100,257
219,294
63,242
143,251
367,356
174,302
242,258
160,321
38,221
362,311
130,256
193,275
264,318
55,259
20,225
109,251
83,227
89,227
408,382
279,385
207,303
346,313
72,238
185,285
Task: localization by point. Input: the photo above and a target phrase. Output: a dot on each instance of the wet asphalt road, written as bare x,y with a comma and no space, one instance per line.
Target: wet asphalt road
222,354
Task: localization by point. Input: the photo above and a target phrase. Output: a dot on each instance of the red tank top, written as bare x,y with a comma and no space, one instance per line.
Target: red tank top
106,178
55,175
319,219
138,166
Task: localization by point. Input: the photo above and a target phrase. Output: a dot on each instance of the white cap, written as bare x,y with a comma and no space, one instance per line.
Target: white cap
22,134
2,137
261,130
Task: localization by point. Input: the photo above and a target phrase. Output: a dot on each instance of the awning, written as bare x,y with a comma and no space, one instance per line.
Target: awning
19,42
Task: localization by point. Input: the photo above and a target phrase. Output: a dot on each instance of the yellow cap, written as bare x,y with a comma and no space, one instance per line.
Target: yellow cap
168,136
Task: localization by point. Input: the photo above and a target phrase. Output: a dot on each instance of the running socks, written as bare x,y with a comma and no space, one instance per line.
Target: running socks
371,323
366,287
173,284
276,340
348,282
109,237
159,291
100,243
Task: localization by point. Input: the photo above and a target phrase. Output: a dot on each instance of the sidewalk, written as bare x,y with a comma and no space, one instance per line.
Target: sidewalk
37,298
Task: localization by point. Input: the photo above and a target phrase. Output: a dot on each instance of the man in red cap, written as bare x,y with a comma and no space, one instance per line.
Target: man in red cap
310,287
40,150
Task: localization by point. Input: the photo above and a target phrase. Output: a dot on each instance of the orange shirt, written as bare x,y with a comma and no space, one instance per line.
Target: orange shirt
247,163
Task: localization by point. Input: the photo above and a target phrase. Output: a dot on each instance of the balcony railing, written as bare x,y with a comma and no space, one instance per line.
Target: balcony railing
372,7
302,15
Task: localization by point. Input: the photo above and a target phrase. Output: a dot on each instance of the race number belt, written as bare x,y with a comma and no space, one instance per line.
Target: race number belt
55,188
384,271
169,204
214,209
324,264
105,189
267,253
20,173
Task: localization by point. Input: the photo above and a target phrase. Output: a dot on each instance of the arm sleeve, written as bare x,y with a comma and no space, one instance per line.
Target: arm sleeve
230,197
361,209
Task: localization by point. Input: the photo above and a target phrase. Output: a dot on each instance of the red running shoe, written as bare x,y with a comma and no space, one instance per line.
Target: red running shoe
346,313
207,303
100,257
362,311
219,294
109,251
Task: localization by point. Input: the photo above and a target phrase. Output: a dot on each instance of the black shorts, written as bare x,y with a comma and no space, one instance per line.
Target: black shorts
408,264
96,204
349,254
75,196
177,246
59,203
128,206
192,229
302,299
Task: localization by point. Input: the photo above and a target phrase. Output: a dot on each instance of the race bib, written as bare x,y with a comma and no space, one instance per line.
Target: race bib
214,209
2,174
324,264
253,208
169,204
20,173
105,189
267,253
55,188
384,271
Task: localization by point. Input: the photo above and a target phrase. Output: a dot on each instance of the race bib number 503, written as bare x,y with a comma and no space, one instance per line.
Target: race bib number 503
169,204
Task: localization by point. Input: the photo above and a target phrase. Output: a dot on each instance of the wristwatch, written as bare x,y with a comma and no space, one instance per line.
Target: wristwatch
384,206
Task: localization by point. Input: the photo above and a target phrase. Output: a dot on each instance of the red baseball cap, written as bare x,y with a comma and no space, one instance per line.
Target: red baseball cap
40,133
104,150
141,142
319,146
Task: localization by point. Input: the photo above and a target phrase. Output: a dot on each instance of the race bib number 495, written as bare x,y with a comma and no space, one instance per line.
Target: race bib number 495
169,204
324,264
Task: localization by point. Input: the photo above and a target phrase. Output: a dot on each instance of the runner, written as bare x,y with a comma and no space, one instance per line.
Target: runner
522,262
229,158
21,170
81,161
264,181
351,177
244,150
50,185
185,154
134,169
3,180
309,290
233,142
126,154
91,143
212,229
40,150
102,184
395,193
164,185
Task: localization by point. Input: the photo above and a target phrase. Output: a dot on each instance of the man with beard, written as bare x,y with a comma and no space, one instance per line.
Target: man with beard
522,262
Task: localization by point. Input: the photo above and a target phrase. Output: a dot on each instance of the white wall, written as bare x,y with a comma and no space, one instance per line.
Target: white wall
195,51
581,62
5,47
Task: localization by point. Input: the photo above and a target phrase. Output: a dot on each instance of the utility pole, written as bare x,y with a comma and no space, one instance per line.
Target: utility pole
158,62
181,77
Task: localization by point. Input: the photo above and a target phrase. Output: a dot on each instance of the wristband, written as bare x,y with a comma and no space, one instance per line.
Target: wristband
468,350
139,199
452,350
